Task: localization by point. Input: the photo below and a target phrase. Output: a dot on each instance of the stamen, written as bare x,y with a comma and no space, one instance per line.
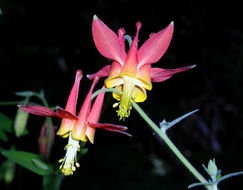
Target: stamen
69,162
115,104
126,99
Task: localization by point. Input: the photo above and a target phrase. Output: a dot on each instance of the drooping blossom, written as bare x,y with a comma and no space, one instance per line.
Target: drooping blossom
131,72
77,128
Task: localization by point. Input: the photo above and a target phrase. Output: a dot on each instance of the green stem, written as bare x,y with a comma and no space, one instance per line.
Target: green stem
9,103
169,143
163,135
105,90
41,98
213,187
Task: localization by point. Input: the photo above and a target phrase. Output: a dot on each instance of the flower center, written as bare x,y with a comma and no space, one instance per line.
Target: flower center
69,162
126,98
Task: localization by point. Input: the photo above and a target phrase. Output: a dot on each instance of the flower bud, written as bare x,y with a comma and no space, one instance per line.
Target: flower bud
212,168
9,171
46,139
20,122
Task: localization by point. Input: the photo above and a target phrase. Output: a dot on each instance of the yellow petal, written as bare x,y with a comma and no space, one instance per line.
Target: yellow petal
66,126
90,131
115,95
139,94
114,81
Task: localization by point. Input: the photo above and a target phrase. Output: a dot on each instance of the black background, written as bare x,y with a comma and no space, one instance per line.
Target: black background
43,43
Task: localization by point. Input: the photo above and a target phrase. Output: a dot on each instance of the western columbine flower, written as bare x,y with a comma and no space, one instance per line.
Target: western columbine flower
131,72
77,128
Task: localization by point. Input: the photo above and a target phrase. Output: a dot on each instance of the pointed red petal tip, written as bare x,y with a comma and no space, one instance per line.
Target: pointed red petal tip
95,17
138,25
159,74
79,75
121,31
110,127
107,42
104,72
155,47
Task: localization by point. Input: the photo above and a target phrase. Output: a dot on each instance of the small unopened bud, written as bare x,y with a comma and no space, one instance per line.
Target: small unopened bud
212,168
46,139
20,122
9,172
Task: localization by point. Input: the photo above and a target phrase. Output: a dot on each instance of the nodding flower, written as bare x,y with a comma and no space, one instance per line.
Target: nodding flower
77,128
131,72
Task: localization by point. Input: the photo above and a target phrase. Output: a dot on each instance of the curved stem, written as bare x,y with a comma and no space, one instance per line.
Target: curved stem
105,90
9,103
162,134
169,143
42,99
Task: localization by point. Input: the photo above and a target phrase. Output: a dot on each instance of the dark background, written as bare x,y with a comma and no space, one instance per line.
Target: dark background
43,43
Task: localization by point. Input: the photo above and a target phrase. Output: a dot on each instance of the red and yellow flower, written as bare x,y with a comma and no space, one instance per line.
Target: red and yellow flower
77,128
131,72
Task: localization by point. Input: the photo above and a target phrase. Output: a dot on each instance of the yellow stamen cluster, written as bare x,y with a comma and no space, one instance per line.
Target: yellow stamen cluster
69,162
124,111
126,98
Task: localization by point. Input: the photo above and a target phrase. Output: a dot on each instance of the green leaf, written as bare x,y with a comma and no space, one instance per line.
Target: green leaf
5,123
84,151
5,126
3,136
230,175
197,184
25,159
205,168
166,125
40,164
218,176
25,93
42,93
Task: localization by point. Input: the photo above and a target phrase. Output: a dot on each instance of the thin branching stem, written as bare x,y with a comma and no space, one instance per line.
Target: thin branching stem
170,144
164,137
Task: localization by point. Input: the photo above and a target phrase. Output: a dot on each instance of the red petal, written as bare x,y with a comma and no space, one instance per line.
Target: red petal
131,63
121,33
62,113
159,74
96,108
73,96
107,125
110,127
38,110
78,131
104,72
107,42
155,47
